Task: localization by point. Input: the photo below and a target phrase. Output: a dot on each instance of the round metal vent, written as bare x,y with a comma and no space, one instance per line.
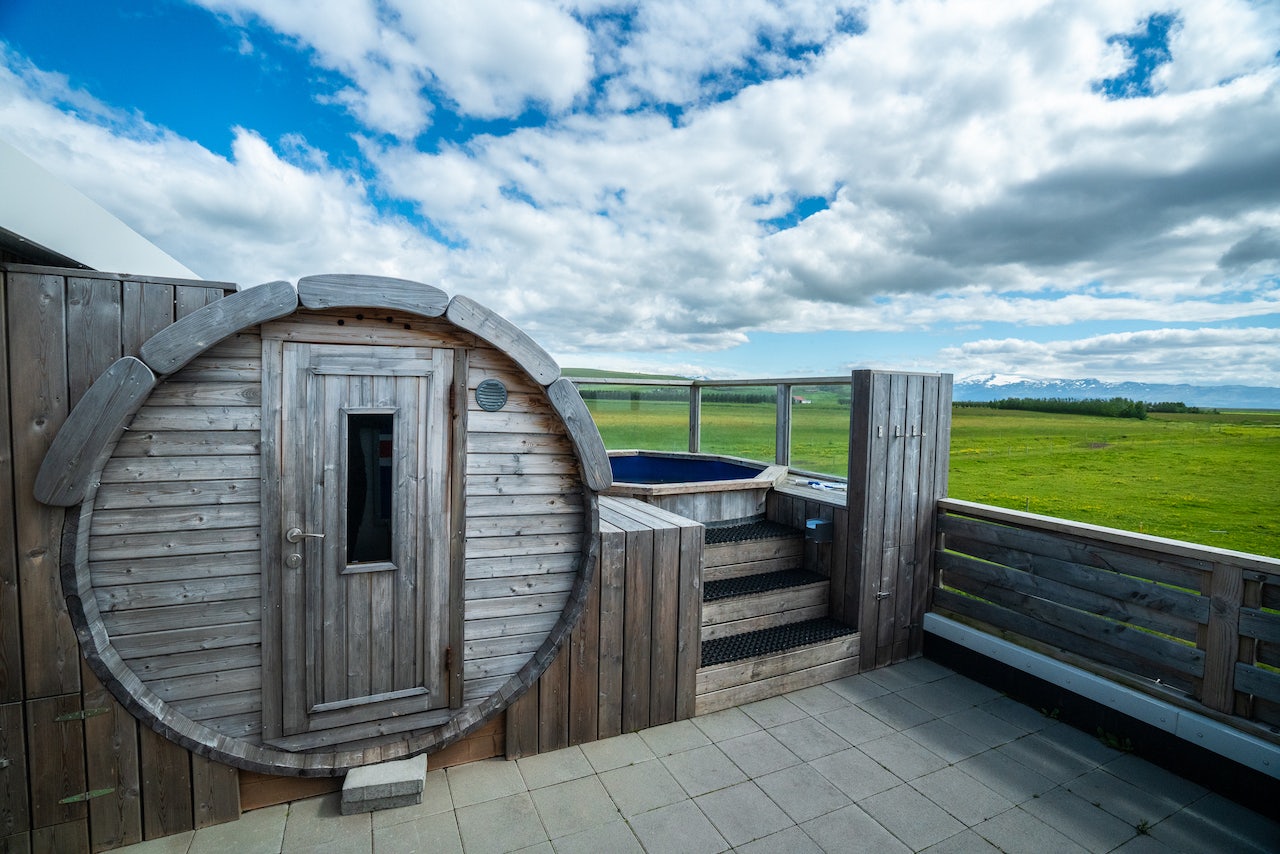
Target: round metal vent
491,395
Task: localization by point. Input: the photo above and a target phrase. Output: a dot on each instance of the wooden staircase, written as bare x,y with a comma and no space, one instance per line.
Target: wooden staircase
765,623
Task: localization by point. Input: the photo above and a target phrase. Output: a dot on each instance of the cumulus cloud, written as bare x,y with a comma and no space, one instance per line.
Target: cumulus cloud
1246,356
971,166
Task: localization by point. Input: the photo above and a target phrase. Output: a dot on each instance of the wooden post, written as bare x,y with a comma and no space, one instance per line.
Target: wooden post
782,440
1222,640
899,437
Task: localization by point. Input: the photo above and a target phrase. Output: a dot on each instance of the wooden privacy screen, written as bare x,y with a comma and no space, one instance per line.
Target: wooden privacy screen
81,773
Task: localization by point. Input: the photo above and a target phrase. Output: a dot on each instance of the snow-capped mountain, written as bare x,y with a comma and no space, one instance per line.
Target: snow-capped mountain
999,386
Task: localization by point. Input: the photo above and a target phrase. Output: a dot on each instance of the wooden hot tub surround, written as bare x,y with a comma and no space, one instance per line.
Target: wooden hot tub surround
200,474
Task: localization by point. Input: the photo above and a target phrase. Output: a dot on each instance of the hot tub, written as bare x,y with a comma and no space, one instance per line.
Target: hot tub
705,487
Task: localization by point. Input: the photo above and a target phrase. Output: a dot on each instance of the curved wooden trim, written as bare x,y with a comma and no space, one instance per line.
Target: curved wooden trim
85,441
583,432
503,334
175,345
345,290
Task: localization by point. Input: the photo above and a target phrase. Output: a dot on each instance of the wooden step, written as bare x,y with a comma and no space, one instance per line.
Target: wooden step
750,603
748,557
775,669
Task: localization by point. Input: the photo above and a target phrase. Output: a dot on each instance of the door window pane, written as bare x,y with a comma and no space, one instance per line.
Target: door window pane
370,446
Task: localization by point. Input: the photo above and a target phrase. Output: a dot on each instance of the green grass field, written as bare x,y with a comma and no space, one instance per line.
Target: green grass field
1209,479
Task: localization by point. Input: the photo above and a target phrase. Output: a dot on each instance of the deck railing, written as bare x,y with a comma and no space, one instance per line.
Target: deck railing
1196,626
785,399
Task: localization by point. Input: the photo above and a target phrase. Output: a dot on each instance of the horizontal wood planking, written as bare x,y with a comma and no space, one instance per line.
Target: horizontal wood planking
766,621
162,469
774,686
761,604
156,520
719,677
170,617
177,493
184,443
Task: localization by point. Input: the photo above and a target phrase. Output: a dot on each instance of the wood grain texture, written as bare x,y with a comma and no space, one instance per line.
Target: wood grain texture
86,438
339,290
583,433
500,332
11,689
179,343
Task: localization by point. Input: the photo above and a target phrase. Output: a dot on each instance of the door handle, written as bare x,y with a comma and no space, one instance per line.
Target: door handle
297,535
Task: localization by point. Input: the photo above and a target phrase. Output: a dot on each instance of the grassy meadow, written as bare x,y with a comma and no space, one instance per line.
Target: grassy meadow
1206,478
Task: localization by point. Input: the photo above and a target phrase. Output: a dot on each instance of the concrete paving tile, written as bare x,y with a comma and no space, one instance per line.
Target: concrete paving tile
1019,714
539,848
894,678
923,669
674,738
852,831
499,826
1084,823
725,724
855,773
1006,776
680,828
615,752
703,769
176,844
1042,754
773,711
965,842
483,781
975,693
758,753
1123,800
985,727
1214,823
576,805
857,688
1149,777
855,725
432,834
1144,844
817,699
911,817
558,766
907,758
802,792
317,825
808,738
1017,830
259,831
642,787
435,799
743,813
1087,746
938,697
793,840
615,838
945,740
961,795
897,711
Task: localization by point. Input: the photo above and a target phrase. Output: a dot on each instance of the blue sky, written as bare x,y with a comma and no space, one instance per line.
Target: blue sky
757,187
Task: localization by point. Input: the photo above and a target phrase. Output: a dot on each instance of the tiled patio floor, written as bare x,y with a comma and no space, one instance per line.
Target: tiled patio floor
908,758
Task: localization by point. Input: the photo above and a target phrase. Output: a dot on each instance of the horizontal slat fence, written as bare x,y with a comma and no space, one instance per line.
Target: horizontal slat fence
1194,625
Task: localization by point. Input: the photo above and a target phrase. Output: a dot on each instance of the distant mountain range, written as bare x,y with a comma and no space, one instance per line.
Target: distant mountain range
1000,386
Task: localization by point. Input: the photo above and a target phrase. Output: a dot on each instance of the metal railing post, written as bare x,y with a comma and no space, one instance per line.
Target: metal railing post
695,418
782,426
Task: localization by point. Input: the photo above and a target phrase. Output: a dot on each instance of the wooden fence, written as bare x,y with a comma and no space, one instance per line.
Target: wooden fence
77,772
1196,626
632,659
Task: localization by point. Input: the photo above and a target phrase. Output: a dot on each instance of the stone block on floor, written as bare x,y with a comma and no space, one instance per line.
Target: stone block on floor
384,786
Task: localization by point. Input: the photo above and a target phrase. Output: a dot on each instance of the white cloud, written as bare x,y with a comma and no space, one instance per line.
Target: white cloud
1245,356
972,173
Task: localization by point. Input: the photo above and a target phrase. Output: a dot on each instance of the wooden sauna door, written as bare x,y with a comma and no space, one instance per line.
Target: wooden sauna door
363,449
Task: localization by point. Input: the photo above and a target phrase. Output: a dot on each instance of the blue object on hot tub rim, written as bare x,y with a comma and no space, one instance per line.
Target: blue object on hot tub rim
654,469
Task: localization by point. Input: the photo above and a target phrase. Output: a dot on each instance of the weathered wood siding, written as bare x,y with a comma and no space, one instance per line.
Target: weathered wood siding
632,660
62,732
1193,625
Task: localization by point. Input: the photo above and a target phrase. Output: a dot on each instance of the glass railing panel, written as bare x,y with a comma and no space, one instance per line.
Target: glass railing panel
648,417
740,421
820,429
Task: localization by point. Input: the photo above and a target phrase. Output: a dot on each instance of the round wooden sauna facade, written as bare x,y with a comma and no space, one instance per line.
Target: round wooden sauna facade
322,527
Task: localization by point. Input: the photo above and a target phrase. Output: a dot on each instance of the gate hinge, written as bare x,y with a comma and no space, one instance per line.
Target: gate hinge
84,796
80,715
883,594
